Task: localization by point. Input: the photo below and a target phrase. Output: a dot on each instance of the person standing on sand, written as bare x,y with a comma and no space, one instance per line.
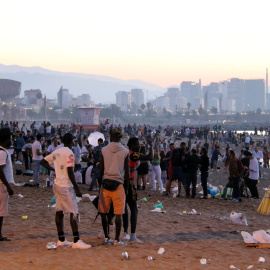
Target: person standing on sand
131,200
114,179
6,176
234,176
63,188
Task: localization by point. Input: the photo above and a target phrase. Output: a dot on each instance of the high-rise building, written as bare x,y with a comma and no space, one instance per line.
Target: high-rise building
63,98
255,95
192,92
236,91
137,96
123,99
32,94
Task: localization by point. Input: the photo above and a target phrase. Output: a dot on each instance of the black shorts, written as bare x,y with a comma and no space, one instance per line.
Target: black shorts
143,168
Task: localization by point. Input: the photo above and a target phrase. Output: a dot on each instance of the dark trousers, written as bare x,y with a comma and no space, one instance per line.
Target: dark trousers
204,176
236,187
133,214
25,156
191,178
95,177
252,186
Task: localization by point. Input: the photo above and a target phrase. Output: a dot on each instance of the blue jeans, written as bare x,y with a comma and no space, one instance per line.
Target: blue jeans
36,170
95,177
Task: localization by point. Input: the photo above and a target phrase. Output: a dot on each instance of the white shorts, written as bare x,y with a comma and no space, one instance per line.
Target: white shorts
65,200
3,200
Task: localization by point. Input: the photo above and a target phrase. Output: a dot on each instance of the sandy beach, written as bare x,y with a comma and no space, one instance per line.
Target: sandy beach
185,238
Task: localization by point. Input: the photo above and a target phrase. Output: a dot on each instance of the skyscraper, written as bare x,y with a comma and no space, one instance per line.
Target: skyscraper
137,96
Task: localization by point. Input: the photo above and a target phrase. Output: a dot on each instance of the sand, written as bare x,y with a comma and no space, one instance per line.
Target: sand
186,239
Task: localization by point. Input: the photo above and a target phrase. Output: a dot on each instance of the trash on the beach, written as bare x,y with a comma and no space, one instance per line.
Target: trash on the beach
266,189
54,205
250,267
233,267
158,210
31,180
51,245
20,196
144,199
78,199
203,261
53,200
150,258
175,190
91,198
180,214
159,206
161,251
184,212
24,217
224,218
125,256
261,260
214,191
158,201
193,212
238,218
262,237
248,238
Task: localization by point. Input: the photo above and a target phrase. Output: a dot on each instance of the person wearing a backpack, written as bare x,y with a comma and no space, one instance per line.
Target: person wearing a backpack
235,174
253,175
6,176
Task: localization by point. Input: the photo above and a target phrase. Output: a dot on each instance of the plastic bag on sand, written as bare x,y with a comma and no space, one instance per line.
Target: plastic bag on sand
238,218
248,238
262,237
91,198
159,206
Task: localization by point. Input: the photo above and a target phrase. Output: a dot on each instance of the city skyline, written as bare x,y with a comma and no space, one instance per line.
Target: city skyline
146,40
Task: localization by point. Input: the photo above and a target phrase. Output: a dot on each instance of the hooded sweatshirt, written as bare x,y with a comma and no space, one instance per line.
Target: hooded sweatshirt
114,155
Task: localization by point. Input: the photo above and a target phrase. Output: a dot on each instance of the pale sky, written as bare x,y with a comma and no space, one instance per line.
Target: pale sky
162,42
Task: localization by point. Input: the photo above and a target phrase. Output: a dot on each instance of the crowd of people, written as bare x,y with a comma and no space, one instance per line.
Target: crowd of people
119,170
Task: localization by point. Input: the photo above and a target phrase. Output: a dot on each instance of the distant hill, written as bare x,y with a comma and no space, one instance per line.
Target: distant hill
100,88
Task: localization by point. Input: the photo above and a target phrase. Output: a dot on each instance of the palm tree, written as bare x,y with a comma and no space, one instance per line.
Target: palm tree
188,105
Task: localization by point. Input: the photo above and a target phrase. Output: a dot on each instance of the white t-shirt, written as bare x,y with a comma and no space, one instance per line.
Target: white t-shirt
6,161
88,178
48,129
254,166
247,140
51,148
36,145
78,177
60,146
62,159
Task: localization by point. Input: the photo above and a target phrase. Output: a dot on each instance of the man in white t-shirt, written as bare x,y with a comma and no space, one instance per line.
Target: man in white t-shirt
37,157
252,180
63,188
6,176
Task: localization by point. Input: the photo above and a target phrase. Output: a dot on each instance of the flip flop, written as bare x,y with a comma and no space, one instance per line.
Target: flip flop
3,238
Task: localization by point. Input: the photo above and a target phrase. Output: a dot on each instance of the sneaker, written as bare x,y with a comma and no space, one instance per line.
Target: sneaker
64,243
135,240
80,245
126,236
108,241
119,243
235,200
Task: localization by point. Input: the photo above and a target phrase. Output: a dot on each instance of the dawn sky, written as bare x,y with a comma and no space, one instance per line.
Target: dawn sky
162,42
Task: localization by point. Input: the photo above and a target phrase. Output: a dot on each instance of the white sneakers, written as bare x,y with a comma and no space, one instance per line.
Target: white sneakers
80,245
65,243
125,237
